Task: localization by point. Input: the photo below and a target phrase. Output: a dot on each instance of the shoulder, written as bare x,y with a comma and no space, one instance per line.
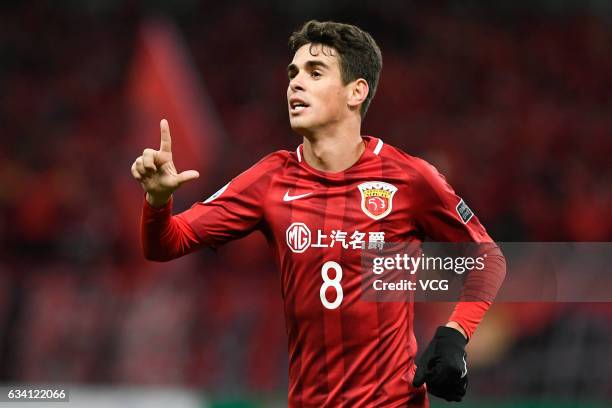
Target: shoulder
268,164
417,167
426,184
260,173
273,160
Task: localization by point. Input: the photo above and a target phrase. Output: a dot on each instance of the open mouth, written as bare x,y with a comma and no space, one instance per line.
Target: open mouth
298,106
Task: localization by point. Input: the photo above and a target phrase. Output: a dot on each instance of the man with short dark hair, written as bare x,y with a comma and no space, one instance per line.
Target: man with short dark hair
319,207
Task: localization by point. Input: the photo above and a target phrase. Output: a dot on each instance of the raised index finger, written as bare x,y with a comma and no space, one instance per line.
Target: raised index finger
166,141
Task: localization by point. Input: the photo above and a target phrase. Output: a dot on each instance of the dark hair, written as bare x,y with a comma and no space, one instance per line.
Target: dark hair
360,57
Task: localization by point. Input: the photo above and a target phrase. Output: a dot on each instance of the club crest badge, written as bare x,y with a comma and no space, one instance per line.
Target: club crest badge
377,198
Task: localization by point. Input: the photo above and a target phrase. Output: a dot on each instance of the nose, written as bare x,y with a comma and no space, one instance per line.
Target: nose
296,84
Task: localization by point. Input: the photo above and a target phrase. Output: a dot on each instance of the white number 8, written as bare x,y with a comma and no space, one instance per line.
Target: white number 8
331,283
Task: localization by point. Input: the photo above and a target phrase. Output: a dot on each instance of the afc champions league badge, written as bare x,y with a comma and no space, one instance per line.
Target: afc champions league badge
377,198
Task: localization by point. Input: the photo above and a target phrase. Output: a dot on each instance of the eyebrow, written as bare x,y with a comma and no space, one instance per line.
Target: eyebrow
309,64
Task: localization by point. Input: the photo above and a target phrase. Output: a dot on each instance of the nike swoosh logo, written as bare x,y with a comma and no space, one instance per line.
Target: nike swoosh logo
287,197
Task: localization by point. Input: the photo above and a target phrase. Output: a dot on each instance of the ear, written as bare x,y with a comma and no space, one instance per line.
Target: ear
357,92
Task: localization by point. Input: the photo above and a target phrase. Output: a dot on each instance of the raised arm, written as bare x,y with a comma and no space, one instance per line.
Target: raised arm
163,236
234,211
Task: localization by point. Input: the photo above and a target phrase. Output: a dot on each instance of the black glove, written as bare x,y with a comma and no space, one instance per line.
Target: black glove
442,366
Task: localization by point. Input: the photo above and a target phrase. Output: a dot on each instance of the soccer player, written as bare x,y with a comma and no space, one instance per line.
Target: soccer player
319,207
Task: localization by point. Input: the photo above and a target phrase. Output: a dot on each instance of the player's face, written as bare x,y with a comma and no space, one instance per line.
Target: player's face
316,96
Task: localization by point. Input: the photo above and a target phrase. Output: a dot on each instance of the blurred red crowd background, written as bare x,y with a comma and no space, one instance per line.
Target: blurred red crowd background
511,104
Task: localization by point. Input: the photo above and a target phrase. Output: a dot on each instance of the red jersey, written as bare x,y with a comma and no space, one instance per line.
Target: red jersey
343,351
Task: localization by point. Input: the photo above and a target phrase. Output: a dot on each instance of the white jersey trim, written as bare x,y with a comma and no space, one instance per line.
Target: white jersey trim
378,147
299,155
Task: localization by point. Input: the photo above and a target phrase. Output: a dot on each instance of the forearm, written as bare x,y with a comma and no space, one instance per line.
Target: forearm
479,290
165,237
157,201
468,315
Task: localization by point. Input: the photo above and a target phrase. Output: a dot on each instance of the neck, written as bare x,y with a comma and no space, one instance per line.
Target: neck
334,150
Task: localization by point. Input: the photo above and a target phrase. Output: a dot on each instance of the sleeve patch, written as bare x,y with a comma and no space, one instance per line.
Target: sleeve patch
464,211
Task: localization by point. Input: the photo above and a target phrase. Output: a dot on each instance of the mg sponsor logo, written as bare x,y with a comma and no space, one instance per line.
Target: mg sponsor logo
298,237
